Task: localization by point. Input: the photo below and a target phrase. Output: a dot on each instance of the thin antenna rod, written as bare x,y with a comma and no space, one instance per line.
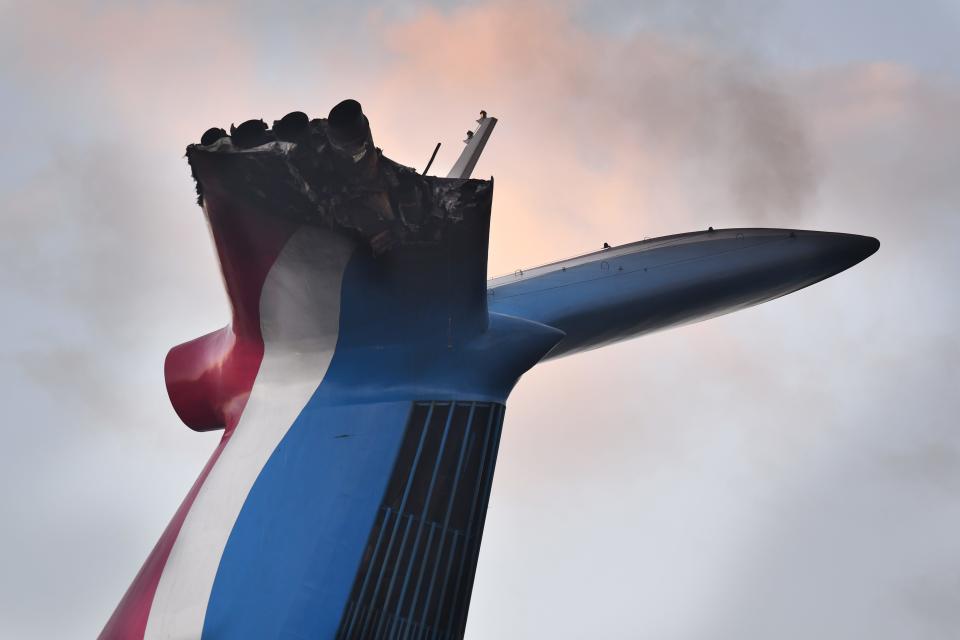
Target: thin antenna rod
429,164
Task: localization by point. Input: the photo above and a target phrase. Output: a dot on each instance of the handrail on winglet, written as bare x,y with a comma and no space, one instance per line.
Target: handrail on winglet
476,140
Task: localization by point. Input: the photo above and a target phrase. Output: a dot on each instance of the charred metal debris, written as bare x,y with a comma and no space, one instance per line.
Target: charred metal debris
328,172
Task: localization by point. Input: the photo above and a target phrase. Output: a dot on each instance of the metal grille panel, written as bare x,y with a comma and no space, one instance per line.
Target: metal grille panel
417,571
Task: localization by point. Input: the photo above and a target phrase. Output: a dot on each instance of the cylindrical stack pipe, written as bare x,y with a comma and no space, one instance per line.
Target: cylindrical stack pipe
349,132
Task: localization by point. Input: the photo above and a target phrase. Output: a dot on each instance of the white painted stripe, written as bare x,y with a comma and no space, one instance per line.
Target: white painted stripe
299,319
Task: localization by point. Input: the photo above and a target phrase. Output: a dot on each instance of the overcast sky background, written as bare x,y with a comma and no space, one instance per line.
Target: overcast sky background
791,471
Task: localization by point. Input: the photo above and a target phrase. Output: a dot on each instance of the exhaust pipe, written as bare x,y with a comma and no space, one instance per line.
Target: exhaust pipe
349,133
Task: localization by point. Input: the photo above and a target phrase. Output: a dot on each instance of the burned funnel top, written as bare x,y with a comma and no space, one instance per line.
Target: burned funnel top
329,172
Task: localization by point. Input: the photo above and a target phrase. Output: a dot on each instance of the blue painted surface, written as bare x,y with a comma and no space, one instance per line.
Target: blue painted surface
414,326
290,561
632,290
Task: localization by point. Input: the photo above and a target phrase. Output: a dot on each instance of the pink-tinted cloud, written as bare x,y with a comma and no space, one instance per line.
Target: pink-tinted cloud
638,133
145,66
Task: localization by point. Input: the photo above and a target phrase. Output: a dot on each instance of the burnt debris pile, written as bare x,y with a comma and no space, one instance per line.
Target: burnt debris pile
328,172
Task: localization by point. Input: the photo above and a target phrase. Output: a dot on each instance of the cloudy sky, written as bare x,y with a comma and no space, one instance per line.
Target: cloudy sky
791,471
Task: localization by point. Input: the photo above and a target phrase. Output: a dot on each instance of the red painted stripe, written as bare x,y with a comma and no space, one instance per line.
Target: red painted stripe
129,620
209,379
